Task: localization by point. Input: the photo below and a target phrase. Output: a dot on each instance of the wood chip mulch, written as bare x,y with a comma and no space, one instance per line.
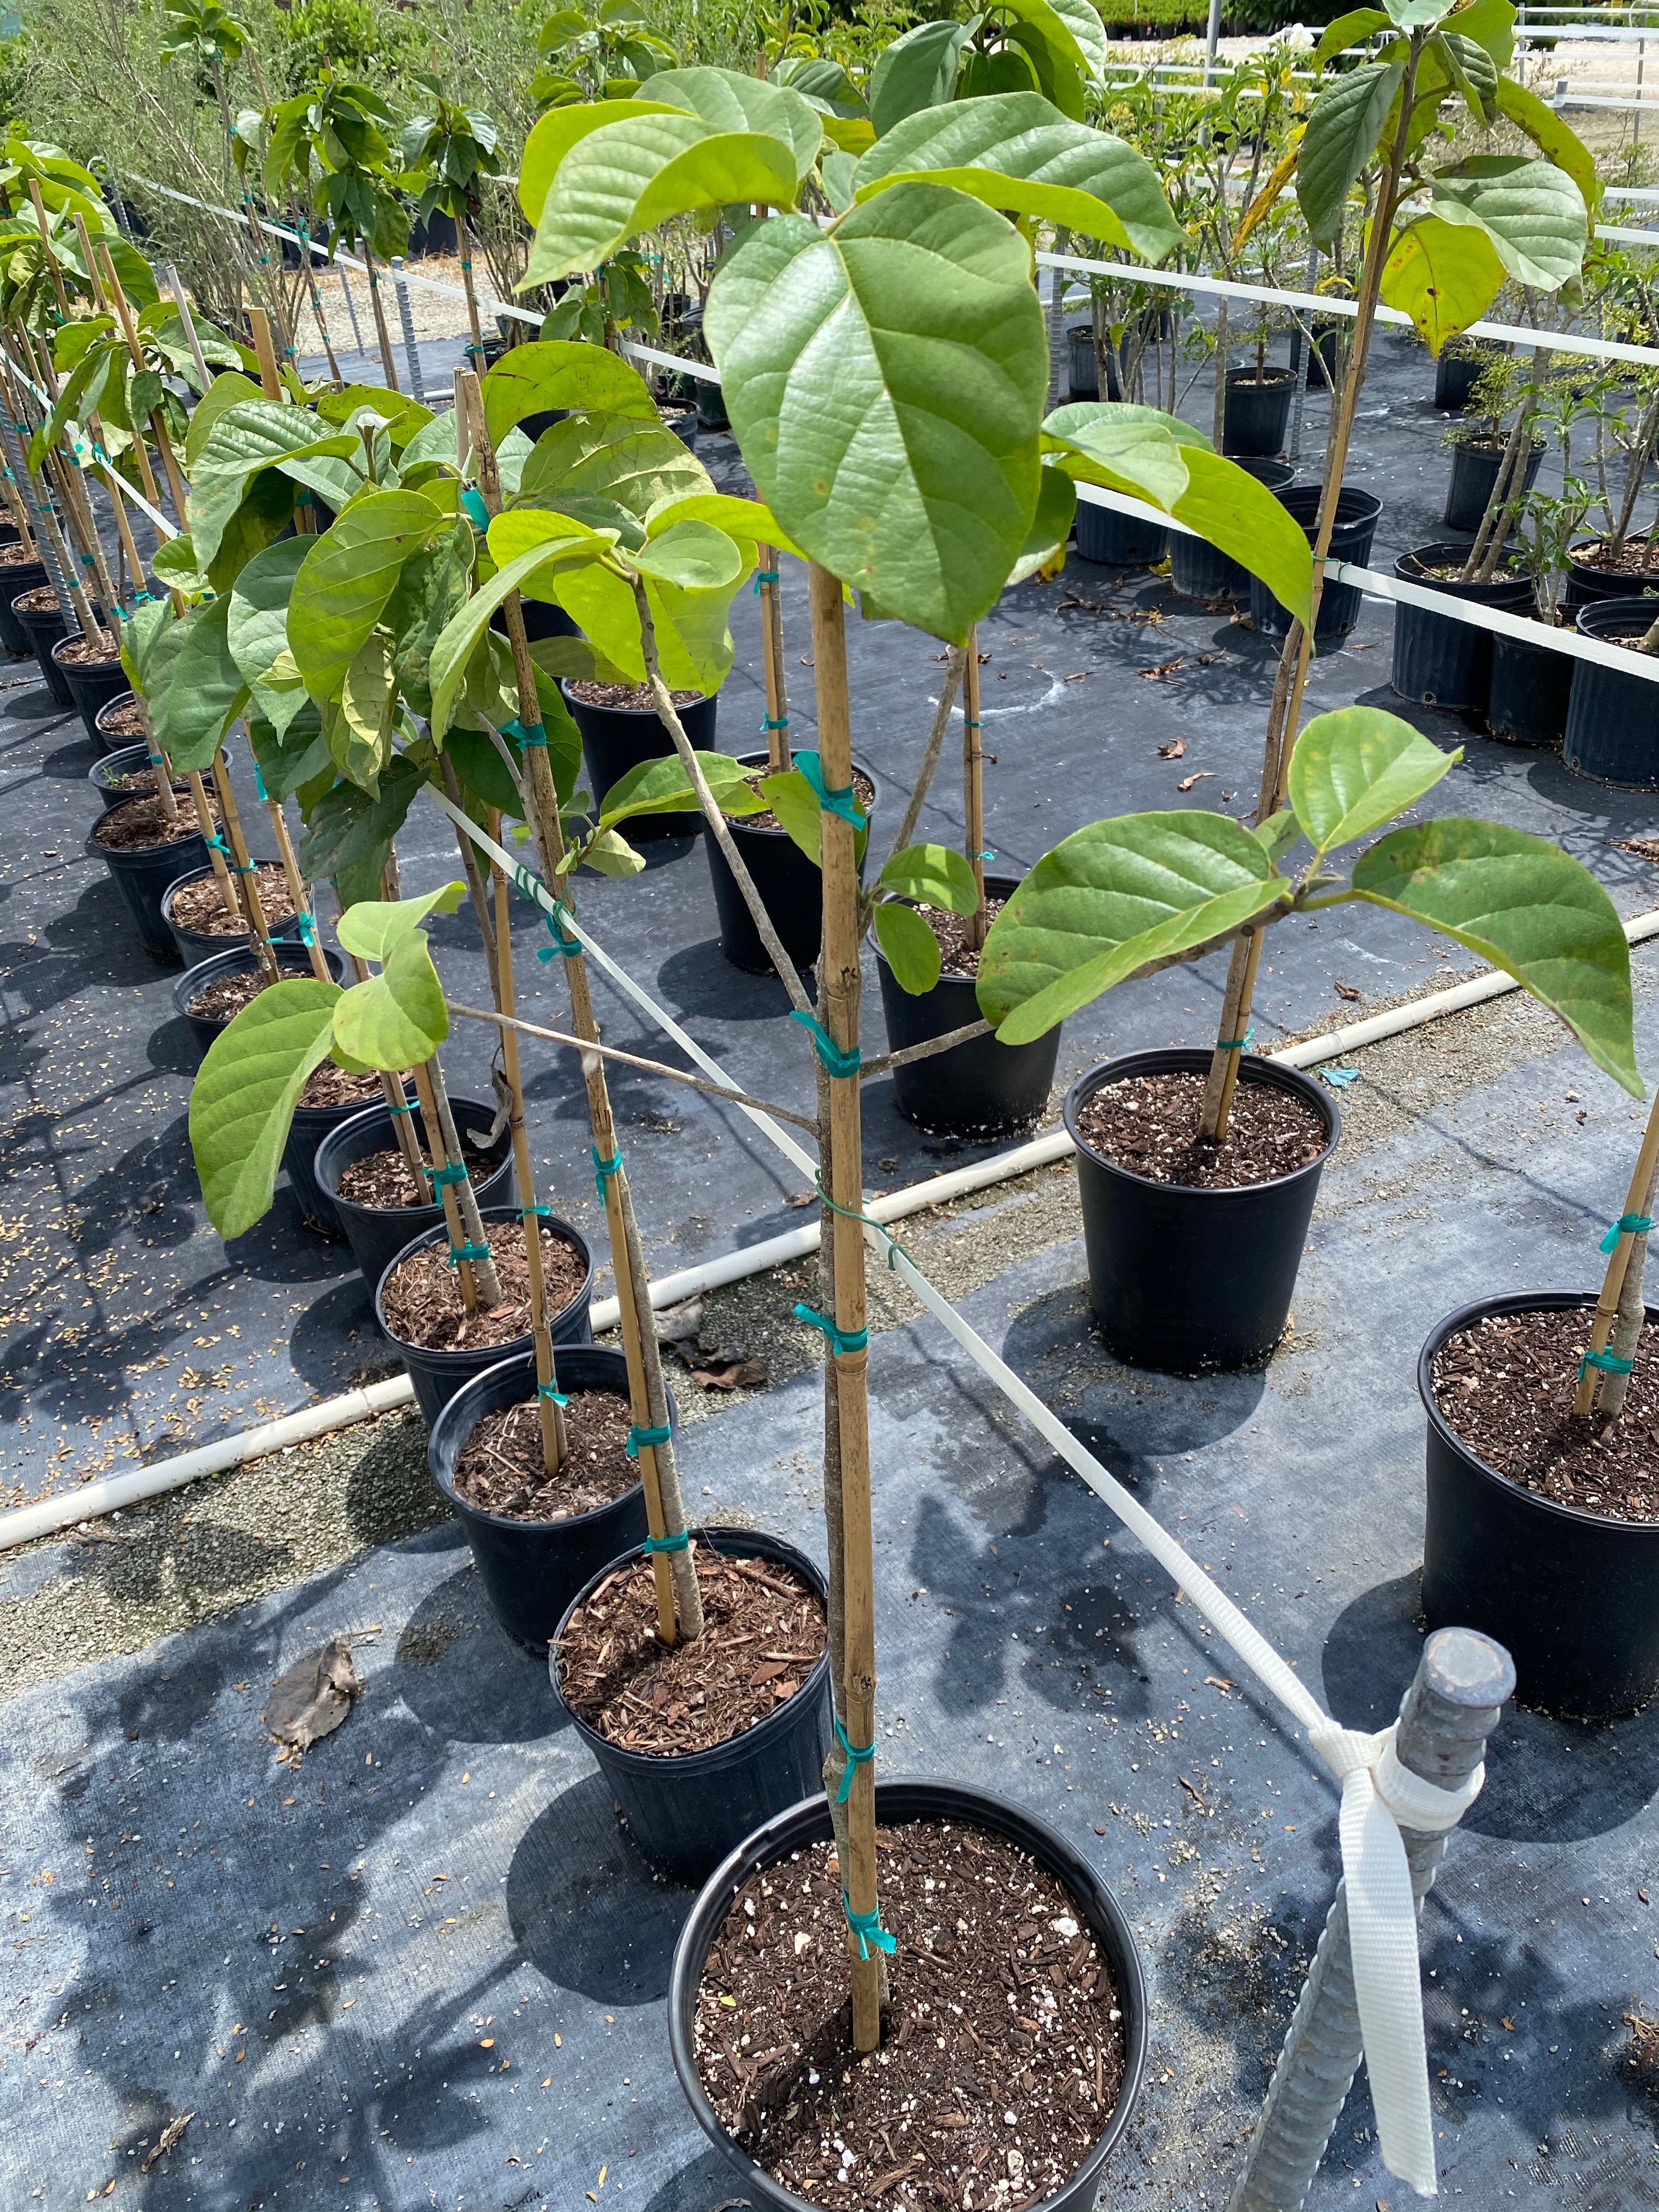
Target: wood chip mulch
1147,1124
226,996
328,1085
383,1179
40,599
1633,558
140,780
85,653
1505,1388
765,1631
1002,2048
140,822
636,698
423,1299
200,906
503,1469
127,721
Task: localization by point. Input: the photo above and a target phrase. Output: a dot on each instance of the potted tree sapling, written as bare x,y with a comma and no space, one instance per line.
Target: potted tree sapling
1531,684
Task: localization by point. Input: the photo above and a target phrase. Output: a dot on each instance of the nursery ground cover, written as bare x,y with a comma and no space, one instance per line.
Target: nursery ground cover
364,1965
132,1331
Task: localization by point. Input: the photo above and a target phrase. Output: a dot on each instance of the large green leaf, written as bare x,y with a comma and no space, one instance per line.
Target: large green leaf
1490,23
613,457
258,634
1527,907
748,520
430,591
1018,152
1349,30
559,539
140,634
1533,212
937,875
1109,899
1353,770
1444,277
1044,553
885,382
1343,128
241,1104
225,391
692,573
372,926
204,692
347,577
631,176
1166,462
918,70
558,131
662,787
294,756
528,380
398,1018
1065,44
1555,140
248,437
911,947
348,837
729,102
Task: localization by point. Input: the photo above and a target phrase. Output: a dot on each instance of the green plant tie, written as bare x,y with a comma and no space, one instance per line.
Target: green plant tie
552,1393
216,844
774,721
533,733
636,1436
1628,1225
259,782
308,929
604,1169
303,499
563,941
1608,1361
830,802
474,509
1235,1044
986,854
765,576
894,1248
403,1107
542,1213
451,1171
867,1927
855,1758
668,1543
468,1252
840,1340
838,1062
155,760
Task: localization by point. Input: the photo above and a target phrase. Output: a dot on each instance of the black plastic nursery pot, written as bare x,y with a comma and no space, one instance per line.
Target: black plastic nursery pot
44,628
1083,365
93,684
15,580
198,945
616,739
790,884
1355,527
531,1569
683,421
1587,582
437,1376
310,1126
141,874
1612,719
292,959
687,1811
1454,375
978,1089
1258,411
1197,570
896,1803
1437,660
377,1233
115,740
1118,541
108,776
1531,687
711,406
1474,478
1181,1280
1573,1596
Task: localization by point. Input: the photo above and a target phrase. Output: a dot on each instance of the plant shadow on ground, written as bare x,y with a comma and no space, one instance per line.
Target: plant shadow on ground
586,1910
464,1678
1547,1780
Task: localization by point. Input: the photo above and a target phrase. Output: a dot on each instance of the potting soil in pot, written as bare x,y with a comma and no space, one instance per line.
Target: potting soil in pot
765,1631
83,652
200,906
502,1470
1002,2045
1149,1125
864,797
422,1303
142,822
383,1178
328,1085
636,697
127,721
226,996
957,955
1506,1387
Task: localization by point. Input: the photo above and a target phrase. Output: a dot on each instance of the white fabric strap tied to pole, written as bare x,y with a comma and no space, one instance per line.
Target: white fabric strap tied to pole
1379,1797
1396,2007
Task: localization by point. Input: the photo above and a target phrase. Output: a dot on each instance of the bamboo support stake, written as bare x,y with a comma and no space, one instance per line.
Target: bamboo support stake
475,350
1607,1306
46,248
175,284
679,1602
381,330
315,291
392,1091
295,881
247,880
475,887
778,754
205,819
157,421
270,379
841,988
452,1223
547,1376
100,293
973,788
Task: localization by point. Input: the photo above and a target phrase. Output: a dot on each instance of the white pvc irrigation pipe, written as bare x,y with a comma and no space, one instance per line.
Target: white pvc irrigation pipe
24,1525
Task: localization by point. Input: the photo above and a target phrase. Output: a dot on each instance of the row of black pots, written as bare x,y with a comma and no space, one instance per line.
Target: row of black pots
1474,472
292,959
1439,661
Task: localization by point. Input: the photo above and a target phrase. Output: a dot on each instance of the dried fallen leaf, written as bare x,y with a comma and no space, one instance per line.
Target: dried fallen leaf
1209,659
1161,670
314,1696
1218,1682
735,1372
164,2142
1077,676
1176,752
1347,991
1198,776
1363,645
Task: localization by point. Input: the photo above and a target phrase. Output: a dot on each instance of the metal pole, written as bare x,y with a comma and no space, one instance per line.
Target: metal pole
1464,1681
1304,367
405,317
351,305
1212,41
